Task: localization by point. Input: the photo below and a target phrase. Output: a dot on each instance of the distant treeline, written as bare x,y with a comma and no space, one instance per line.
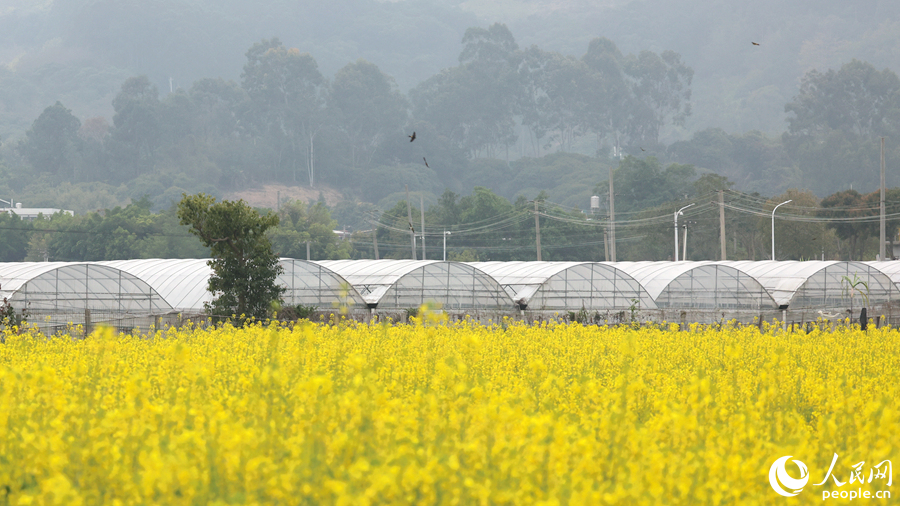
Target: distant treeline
490,121
485,226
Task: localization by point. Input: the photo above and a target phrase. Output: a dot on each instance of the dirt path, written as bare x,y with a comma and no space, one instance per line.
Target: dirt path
267,195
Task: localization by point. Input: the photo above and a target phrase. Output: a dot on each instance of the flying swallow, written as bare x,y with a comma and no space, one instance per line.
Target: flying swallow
412,137
426,162
755,43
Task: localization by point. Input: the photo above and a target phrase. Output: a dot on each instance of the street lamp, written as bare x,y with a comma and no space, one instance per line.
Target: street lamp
445,244
678,212
773,226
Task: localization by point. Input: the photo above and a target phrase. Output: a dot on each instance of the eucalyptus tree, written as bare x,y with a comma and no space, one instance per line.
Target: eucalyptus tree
368,108
287,96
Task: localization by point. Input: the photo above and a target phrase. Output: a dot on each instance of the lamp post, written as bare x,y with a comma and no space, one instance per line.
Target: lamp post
677,213
445,244
773,226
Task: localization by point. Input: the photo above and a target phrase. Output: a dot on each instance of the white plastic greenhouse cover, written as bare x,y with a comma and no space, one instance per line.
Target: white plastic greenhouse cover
699,285
409,283
75,286
183,282
890,268
567,285
815,283
313,284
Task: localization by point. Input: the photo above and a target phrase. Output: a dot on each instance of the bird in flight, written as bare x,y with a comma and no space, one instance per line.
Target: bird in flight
754,43
411,228
412,137
426,162
642,149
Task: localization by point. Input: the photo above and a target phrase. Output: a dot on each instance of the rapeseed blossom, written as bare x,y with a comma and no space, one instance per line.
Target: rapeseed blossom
439,413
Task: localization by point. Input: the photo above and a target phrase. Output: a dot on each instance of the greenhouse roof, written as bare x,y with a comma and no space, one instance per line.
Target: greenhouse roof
182,282
408,283
77,286
656,276
372,278
587,283
890,268
781,278
15,274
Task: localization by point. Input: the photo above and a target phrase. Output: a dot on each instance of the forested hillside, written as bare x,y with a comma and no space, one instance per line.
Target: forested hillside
107,103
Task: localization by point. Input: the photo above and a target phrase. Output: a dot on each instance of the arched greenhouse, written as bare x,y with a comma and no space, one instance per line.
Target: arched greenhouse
394,285
812,289
701,291
54,295
568,286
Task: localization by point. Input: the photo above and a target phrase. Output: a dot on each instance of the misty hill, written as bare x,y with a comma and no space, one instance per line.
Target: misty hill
103,102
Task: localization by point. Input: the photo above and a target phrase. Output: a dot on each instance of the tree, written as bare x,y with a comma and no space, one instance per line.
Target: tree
609,98
473,105
244,266
661,86
369,108
835,121
52,142
299,223
137,132
14,232
287,93
641,183
844,205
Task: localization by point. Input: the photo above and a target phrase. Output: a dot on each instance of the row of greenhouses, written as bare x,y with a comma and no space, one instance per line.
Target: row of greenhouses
141,293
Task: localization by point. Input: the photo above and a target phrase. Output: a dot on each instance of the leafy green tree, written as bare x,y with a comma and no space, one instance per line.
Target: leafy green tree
369,109
137,131
642,183
244,266
848,204
14,235
608,97
299,224
52,143
473,105
287,93
661,86
835,121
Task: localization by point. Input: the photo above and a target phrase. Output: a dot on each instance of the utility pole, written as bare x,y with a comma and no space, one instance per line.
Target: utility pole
412,233
882,237
375,240
612,217
537,231
422,214
722,222
307,251
606,245
445,244
684,246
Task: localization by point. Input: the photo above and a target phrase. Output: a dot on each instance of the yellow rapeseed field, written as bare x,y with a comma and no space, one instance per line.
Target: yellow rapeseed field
440,413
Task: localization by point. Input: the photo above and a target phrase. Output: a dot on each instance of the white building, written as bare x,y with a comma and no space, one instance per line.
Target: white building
30,213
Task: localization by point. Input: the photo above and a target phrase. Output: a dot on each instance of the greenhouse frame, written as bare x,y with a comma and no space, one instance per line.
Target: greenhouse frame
568,286
699,285
814,289
395,285
54,295
183,282
140,293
